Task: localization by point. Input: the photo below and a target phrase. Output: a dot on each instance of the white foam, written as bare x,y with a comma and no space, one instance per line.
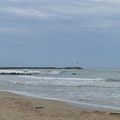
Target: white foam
75,82
55,72
65,78
61,81
11,71
24,72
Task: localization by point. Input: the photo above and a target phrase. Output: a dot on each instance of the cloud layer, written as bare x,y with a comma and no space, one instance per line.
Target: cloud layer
59,30
84,13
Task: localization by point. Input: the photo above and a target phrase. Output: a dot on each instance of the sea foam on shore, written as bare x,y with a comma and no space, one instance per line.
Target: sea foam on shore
16,107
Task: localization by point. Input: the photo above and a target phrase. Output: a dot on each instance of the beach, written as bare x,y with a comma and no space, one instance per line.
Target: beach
17,107
90,94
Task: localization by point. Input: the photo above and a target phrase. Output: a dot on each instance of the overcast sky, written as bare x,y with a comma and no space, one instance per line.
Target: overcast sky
60,33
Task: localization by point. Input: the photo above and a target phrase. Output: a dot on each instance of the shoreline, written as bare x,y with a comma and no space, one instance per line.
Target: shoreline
80,105
14,106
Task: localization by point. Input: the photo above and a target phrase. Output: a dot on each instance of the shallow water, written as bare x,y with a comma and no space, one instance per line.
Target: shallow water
99,88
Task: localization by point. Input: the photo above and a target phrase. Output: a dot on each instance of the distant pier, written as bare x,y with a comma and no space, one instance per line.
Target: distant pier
77,68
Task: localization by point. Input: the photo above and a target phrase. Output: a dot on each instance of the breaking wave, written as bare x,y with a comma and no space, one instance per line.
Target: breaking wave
112,80
65,82
28,72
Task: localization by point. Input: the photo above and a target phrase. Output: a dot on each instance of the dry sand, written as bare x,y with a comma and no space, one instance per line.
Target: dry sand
16,107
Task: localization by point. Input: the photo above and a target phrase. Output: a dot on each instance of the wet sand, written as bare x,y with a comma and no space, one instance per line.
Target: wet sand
17,107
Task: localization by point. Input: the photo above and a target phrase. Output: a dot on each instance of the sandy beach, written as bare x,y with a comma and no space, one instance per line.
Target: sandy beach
17,107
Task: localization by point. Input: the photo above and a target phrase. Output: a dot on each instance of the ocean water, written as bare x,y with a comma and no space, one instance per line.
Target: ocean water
98,88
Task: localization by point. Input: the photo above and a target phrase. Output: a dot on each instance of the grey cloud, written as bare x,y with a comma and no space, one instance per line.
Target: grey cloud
60,7
82,14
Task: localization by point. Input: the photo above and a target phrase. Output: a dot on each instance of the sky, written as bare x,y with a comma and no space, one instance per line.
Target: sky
60,33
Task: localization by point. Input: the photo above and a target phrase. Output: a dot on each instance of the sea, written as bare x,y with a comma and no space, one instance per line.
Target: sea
88,88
